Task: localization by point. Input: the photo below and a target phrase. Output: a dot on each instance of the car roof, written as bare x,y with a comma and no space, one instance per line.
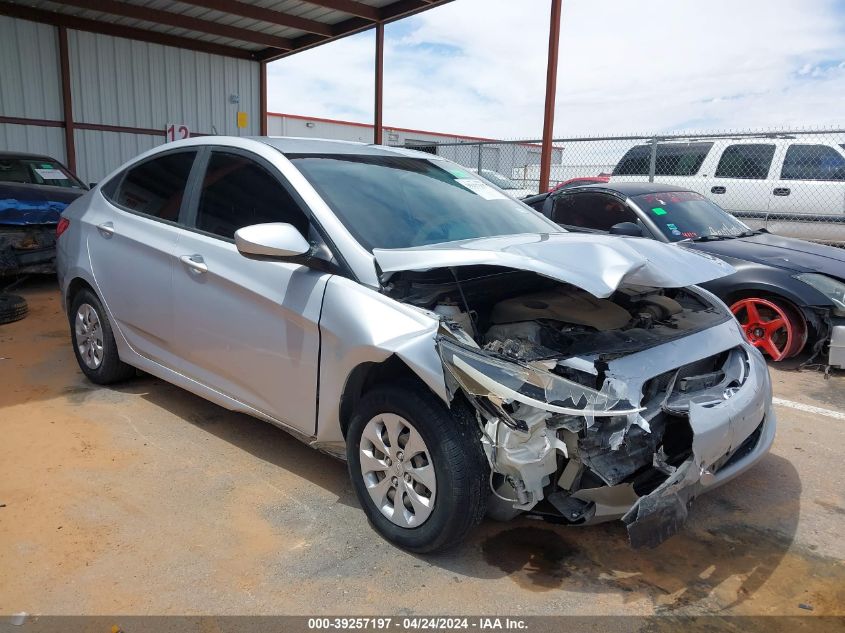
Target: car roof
298,145
24,155
627,188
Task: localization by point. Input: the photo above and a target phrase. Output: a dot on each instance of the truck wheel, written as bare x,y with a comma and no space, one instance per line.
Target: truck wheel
93,341
418,470
775,327
12,308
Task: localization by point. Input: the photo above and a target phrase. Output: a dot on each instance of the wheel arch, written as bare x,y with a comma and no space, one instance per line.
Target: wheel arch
76,285
366,376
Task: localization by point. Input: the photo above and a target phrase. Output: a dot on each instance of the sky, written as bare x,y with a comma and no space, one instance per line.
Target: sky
478,67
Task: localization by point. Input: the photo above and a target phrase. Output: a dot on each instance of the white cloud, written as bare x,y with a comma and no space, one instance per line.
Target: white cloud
478,67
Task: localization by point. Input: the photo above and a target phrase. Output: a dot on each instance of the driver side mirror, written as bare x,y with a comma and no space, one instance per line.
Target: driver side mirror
631,229
274,239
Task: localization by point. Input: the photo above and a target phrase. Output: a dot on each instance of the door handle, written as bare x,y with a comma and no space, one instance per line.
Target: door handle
106,229
718,190
781,191
194,263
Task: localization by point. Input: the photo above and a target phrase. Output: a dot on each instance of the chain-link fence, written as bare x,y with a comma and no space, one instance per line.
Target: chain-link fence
790,182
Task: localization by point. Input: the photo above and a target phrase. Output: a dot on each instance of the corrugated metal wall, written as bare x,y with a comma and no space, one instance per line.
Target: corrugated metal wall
116,82
137,84
30,86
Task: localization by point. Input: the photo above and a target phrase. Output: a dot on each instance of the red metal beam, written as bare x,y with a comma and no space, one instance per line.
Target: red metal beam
233,7
20,120
377,128
349,6
67,101
262,99
182,21
551,88
117,30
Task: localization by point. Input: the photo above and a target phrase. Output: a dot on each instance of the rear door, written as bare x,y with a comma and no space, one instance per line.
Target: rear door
248,327
743,179
131,242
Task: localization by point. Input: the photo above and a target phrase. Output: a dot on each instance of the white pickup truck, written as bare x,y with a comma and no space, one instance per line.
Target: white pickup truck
790,186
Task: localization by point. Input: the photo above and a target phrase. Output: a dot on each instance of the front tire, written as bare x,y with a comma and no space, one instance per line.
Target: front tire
93,341
417,468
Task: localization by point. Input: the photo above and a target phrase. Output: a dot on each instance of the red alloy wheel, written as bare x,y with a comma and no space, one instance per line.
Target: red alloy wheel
774,329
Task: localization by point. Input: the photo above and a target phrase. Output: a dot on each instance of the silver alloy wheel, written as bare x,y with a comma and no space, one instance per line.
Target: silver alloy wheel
397,469
89,335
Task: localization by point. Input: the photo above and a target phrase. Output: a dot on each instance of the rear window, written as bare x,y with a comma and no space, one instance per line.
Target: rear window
813,162
37,171
156,186
672,159
749,161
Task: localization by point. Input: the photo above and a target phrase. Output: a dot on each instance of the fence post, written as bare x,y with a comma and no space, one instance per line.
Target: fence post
652,162
479,159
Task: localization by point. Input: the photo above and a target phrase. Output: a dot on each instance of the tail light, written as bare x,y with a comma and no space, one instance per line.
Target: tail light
61,227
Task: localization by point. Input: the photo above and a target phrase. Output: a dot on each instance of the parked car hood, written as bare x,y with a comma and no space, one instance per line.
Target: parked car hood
598,264
781,252
34,204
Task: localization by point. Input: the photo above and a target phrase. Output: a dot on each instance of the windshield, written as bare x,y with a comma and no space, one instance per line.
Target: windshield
498,179
37,171
400,202
684,215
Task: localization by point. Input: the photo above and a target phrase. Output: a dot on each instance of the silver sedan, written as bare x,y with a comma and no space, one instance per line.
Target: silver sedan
465,355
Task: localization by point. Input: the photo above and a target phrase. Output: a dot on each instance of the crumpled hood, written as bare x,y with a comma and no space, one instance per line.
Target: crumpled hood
598,264
782,252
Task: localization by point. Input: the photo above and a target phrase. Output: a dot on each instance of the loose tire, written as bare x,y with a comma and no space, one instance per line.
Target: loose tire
93,341
12,308
418,470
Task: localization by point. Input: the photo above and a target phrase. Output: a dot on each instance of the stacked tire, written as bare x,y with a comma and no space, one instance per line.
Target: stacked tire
12,308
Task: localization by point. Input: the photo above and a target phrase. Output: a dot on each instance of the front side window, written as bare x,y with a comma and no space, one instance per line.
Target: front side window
37,171
688,215
591,211
813,162
155,187
388,201
751,161
671,159
238,192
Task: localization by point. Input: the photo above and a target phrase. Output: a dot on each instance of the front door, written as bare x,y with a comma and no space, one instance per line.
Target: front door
248,328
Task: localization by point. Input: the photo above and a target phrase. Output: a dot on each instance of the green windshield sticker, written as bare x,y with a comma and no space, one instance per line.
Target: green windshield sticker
46,166
672,226
458,173
659,210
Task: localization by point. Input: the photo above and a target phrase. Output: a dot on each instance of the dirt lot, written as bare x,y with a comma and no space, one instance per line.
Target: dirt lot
144,499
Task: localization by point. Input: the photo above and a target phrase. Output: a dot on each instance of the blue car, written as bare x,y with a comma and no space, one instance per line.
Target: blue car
34,190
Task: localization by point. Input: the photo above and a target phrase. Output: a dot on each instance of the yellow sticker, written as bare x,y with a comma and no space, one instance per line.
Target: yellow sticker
243,119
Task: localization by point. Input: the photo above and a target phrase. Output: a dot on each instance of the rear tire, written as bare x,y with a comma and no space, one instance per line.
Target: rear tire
93,341
433,511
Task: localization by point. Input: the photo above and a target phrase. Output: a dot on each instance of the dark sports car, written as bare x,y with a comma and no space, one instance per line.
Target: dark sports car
34,190
787,293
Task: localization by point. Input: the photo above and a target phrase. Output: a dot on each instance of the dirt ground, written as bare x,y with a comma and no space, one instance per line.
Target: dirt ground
145,499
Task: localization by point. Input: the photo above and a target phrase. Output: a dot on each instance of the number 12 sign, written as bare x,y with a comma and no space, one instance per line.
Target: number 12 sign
176,132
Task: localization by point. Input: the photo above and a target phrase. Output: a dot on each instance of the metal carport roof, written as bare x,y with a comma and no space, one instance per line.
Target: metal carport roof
260,30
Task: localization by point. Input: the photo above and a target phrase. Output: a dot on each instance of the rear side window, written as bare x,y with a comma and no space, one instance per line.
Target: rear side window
238,192
750,161
156,187
813,162
591,211
672,159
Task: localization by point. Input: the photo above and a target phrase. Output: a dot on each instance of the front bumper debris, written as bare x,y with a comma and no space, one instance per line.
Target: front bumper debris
27,249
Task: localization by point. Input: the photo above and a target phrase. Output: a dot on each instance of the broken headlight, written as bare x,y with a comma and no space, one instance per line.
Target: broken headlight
504,382
831,288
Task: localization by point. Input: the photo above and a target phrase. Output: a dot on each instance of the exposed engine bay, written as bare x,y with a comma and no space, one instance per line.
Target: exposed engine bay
569,435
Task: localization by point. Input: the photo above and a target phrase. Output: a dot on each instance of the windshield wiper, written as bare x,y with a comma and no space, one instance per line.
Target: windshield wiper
748,233
712,238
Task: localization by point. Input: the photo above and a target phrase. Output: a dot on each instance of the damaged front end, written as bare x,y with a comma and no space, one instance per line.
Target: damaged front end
593,409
